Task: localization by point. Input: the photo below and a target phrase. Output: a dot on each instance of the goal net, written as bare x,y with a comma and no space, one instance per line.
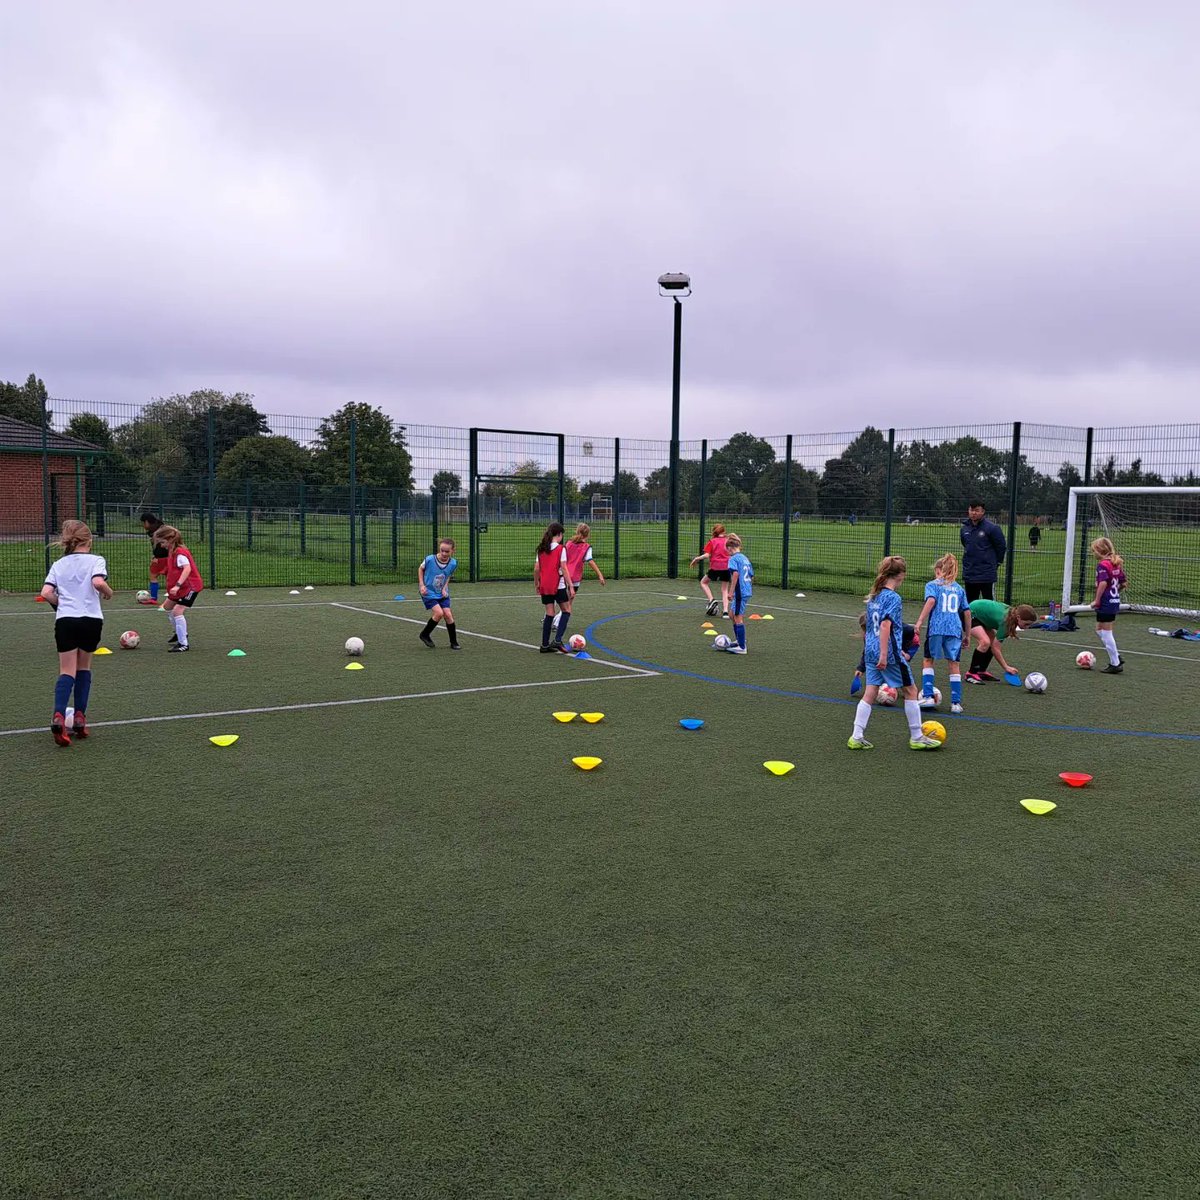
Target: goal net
1156,531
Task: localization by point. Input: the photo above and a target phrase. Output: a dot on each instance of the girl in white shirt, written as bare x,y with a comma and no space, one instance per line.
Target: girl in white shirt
73,587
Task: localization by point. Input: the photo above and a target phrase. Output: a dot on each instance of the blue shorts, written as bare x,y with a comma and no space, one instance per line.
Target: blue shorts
943,645
895,675
434,601
737,603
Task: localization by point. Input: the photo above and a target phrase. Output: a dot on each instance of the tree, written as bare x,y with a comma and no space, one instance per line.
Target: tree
232,420
447,483
768,494
856,480
383,458
148,449
88,427
630,486
658,484
269,459
740,462
23,402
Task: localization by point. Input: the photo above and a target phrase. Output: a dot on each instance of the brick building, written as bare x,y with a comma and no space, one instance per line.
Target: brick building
22,511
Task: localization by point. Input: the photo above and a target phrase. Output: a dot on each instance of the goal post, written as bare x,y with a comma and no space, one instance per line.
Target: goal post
1156,531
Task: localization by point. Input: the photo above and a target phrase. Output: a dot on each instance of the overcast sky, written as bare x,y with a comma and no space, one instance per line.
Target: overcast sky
903,214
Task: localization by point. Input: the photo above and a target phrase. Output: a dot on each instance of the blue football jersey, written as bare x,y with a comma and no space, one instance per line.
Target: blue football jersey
949,602
437,575
887,606
745,573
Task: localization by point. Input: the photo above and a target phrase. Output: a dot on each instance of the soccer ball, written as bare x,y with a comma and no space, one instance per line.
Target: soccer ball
354,647
1085,659
937,696
143,597
721,642
577,642
887,696
934,729
131,639
1036,682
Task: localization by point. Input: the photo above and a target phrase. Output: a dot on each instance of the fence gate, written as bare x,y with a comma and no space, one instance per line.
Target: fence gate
516,489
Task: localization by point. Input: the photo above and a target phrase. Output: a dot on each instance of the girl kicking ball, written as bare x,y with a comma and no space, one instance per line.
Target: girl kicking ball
184,585
885,659
73,588
433,578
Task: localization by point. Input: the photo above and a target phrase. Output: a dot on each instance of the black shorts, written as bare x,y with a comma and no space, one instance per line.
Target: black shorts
187,599
1101,615
979,591
77,633
720,576
560,598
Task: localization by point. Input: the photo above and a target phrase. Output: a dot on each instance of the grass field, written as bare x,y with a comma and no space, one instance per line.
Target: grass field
392,943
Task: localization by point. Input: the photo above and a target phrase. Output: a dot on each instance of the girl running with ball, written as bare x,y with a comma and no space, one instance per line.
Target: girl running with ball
885,658
184,585
433,578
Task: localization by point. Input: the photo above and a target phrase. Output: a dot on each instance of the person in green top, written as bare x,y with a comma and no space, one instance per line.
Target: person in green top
991,623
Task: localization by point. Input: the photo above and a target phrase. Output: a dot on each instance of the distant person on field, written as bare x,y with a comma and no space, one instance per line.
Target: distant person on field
433,579
158,563
73,588
184,585
717,553
949,618
983,552
852,519
552,579
1035,534
1110,579
741,585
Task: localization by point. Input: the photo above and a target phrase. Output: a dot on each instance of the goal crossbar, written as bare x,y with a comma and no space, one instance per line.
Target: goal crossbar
1070,550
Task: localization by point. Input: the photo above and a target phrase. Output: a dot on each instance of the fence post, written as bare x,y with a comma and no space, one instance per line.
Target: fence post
433,516
249,514
616,508
562,472
1013,489
353,493
158,497
303,515
703,505
98,480
200,509
395,527
787,513
364,499
473,504
887,502
47,521
1083,540
212,498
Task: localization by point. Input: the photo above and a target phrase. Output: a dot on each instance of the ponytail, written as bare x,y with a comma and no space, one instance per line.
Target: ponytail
889,568
1102,547
581,533
553,530
947,567
74,534
1020,614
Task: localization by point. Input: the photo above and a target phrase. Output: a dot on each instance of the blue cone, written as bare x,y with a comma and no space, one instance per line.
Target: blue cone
691,723
397,597
583,654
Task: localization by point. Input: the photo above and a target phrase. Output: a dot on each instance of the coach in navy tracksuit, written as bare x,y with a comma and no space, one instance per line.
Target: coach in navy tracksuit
983,552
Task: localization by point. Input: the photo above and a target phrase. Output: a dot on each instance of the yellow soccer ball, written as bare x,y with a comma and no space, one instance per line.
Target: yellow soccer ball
934,729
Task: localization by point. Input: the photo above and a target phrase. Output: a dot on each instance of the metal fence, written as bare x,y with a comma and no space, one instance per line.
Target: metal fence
359,499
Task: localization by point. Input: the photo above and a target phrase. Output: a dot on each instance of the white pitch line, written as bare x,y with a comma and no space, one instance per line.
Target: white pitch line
274,708
370,612
1049,641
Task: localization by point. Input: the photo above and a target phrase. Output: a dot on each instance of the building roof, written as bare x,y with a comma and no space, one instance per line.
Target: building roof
21,436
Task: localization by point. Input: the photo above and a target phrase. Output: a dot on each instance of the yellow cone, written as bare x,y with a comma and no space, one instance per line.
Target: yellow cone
592,718
224,739
1039,808
354,667
587,764
680,597
710,633
768,617
779,768
102,650
564,717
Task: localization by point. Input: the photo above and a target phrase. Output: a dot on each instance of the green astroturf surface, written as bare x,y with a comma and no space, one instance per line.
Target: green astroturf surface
405,948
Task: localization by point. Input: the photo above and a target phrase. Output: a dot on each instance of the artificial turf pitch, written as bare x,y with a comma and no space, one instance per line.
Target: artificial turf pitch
405,948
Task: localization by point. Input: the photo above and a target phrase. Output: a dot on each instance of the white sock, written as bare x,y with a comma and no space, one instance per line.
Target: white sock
862,714
180,627
912,710
1110,644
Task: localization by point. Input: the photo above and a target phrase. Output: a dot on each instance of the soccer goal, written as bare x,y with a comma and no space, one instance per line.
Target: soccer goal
1156,531
601,507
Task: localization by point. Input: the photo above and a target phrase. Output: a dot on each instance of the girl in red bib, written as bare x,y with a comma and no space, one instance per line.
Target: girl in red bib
552,579
717,553
184,584
579,555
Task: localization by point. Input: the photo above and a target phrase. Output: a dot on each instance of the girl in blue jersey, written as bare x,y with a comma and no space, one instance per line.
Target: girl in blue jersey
741,587
949,618
885,659
433,578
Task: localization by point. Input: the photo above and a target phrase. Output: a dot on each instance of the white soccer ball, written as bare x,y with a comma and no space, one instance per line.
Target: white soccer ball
1085,659
143,597
354,647
721,642
130,639
1036,682
887,696
577,642
937,696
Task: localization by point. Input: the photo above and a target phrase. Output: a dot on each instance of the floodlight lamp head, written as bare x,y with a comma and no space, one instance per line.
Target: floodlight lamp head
675,285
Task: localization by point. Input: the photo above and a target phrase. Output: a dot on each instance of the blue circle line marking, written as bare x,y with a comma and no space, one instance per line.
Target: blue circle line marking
590,634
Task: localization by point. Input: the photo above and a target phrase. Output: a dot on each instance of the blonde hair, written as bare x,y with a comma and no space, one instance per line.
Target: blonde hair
1102,547
889,568
74,534
1019,614
732,540
947,568
581,533
169,536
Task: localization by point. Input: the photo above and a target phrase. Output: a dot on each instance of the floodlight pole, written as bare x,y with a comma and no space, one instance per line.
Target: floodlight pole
673,500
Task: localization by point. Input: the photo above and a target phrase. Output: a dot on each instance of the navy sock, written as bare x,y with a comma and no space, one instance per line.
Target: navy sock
740,634
62,692
563,618
83,688
452,630
547,626
154,589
